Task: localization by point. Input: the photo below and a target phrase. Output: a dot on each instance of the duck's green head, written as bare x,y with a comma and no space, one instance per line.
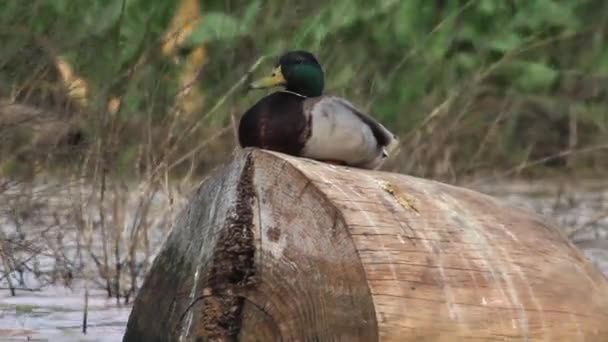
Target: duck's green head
297,71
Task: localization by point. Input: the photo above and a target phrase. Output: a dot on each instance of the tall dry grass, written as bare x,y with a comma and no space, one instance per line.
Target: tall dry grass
103,135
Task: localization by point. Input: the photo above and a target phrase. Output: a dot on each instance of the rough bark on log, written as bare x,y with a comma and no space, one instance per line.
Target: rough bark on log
278,248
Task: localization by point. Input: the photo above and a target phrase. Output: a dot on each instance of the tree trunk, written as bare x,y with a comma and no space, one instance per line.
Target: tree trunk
278,248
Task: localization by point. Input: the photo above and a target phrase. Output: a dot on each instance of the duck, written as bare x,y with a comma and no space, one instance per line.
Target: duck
300,120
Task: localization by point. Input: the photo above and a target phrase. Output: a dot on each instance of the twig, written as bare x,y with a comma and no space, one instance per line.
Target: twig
85,312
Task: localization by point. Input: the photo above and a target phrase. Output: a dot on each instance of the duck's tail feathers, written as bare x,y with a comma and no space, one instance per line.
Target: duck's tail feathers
393,144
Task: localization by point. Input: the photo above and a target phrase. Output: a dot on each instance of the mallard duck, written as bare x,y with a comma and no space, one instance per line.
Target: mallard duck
300,120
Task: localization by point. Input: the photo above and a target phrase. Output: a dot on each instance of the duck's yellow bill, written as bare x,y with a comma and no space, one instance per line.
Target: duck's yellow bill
275,79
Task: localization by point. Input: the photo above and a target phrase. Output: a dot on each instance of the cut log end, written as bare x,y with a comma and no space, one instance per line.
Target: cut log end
274,247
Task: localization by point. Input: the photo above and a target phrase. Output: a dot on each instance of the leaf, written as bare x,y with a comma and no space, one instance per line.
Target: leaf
107,17
535,76
132,35
466,60
505,42
536,15
250,15
488,6
215,26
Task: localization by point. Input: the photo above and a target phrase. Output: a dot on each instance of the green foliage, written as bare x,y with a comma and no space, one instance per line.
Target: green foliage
218,26
400,59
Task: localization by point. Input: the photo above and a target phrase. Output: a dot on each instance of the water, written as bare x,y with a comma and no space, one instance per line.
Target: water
50,236
55,313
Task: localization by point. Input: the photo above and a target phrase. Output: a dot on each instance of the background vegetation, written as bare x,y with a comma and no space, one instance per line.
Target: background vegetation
471,86
128,103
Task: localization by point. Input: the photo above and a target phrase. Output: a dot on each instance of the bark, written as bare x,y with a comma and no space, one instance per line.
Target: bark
277,248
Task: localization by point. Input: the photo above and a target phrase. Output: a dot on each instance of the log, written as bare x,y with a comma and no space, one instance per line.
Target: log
277,248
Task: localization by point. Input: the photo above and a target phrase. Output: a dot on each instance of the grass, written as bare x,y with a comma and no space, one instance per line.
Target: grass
58,232
112,111
156,84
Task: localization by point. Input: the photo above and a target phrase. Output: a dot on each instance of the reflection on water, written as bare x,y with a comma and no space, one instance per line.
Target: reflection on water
56,313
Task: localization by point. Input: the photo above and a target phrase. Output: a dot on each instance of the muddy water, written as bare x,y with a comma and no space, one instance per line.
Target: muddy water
56,313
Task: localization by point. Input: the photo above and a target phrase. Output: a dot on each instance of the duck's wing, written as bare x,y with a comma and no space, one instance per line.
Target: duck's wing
340,132
335,104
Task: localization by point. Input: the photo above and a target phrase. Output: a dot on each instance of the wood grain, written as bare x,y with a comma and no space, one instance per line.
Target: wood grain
278,248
